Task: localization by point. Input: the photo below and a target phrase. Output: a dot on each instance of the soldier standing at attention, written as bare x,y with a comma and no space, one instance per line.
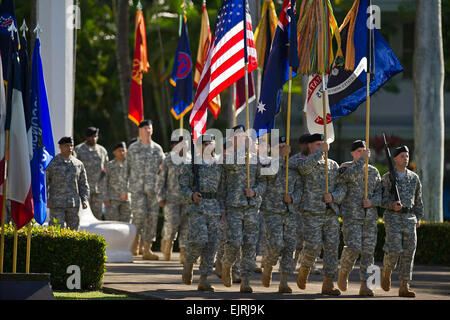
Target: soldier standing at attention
242,216
94,158
144,158
401,219
170,198
320,214
201,186
66,185
117,202
359,226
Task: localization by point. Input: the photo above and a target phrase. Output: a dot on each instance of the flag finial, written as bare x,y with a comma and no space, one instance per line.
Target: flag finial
139,5
37,30
12,28
24,28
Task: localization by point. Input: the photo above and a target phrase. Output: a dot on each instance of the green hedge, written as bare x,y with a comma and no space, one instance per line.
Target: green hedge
53,249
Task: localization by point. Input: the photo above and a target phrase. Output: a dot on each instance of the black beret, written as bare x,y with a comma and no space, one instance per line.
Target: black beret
282,139
121,144
145,123
304,138
358,144
238,127
315,137
92,131
64,140
399,150
177,140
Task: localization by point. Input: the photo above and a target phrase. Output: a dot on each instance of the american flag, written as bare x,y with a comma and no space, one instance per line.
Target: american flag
225,62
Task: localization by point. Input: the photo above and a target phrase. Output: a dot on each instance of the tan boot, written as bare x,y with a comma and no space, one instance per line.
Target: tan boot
135,246
302,277
168,250
284,287
163,246
386,279
405,291
204,285
364,290
328,286
226,275
141,247
187,273
267,275
218,268
245,285
182,255
148,253
342,280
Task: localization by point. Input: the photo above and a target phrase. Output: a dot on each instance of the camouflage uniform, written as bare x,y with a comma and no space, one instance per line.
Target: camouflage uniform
401,236
66,184
242,216
116,184
168,189
204,217
320,224
299,185
279,218
143,166
94,160
359,226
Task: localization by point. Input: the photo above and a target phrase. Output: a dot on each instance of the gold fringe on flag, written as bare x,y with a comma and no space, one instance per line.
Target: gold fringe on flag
267,13
350,20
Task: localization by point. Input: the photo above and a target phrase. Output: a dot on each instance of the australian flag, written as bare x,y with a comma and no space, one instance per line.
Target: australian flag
281,56
43,146
347,88
181,77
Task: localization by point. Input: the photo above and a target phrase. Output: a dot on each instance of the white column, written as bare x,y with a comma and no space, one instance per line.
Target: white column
57,58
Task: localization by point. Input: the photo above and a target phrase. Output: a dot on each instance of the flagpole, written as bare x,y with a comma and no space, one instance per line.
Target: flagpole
288,127
14,266
366,169
324,111
5,179
247,112
233,103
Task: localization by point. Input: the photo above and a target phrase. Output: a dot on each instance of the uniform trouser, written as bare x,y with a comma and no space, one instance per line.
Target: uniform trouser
175,223
241,231
96,204
145,209
360,237
221,248
320,231
260,245
118,210
281,235
202,240
67,215
401,242
299,245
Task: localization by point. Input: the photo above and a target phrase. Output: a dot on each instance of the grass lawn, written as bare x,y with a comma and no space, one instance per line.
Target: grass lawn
89,295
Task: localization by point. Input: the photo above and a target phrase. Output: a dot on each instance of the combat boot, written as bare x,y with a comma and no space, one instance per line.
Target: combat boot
284,287
135,246
386,279
235,275
328,286
405,291
141,247
218,268
182,255
364,290
342,280
148,253
267,275
204,285
168,250
227,278
187,273
245,285
302,277
163,246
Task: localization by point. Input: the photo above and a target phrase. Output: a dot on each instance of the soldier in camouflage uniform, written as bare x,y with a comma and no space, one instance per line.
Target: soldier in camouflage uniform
203,195
320,214
170,198
66,185
242,216
144,158
401,219
117,202
280,223
94,158
359,226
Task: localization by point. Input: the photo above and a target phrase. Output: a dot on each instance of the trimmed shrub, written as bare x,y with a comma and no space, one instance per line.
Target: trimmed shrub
54,249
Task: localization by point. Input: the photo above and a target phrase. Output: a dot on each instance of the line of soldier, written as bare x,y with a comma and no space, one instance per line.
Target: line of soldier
203,205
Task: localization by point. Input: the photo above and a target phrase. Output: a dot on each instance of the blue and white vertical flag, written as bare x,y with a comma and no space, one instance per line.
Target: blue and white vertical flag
43,146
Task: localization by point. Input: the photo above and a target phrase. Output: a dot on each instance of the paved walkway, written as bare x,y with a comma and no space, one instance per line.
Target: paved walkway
162,280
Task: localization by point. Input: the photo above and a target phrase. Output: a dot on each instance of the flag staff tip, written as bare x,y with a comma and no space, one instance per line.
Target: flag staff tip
37,30
24,28
139,6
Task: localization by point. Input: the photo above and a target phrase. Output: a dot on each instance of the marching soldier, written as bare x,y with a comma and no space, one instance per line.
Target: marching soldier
401,219
242,216
94,158
201,186
360,216
144,158
172,202
66,185
117,202
320,214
